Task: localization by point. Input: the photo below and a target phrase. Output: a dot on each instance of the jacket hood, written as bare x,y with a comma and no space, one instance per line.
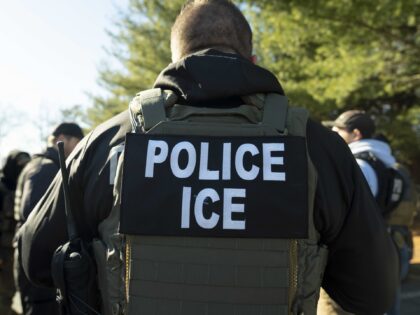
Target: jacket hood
211,74
378,148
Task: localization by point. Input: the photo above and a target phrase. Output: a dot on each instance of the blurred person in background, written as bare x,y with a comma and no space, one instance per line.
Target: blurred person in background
389,182
33,183
15,162
401,218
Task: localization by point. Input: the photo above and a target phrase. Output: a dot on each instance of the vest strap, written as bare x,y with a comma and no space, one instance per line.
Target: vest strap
152,104
275,112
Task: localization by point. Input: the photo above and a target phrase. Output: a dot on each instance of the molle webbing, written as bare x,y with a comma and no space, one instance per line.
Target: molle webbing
208,276
151,106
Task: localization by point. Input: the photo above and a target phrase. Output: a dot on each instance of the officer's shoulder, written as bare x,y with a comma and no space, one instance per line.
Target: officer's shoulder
323,141
111,132
93,150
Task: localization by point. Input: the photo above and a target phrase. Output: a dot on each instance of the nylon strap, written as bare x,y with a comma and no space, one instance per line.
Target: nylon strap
152,103
275,111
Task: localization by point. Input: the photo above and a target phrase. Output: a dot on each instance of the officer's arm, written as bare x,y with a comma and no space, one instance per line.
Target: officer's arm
361,274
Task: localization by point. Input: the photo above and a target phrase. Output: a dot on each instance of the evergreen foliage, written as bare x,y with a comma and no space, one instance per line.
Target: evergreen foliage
332,56
142,48
329,55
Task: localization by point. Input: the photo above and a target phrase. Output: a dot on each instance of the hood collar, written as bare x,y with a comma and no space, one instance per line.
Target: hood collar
211,74
378,148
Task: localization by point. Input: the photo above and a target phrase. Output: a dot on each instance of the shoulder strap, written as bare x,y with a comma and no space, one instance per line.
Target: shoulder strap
150,105
275,112
297,120
377,165
287,120
366,156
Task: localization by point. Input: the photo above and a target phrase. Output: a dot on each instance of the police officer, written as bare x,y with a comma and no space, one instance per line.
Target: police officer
15,162
213,67
33,182
374,157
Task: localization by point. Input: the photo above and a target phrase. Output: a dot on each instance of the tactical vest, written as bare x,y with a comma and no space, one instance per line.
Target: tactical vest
172,274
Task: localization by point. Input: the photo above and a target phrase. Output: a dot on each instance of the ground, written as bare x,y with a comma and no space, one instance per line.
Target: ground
410,299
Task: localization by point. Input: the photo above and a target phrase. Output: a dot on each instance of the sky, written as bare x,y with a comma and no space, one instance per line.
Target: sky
50,51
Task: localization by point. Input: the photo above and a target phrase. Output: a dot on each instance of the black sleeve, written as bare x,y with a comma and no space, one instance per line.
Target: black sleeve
362,270
35,185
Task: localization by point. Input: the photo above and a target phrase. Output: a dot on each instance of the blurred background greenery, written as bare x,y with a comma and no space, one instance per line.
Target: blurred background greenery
330,56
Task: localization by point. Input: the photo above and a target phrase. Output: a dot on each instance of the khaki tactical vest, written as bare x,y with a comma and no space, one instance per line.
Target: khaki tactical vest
210,275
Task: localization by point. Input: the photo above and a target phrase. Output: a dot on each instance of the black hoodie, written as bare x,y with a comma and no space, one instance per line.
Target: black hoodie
361,274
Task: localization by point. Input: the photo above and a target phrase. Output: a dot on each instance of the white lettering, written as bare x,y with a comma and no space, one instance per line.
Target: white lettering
205,173
185,215
202,197
192,159
269,160
227,149
183,164
154,158
239,162
229,207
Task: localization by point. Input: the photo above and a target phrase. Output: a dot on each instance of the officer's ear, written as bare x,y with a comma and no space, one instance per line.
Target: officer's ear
357,135
254,59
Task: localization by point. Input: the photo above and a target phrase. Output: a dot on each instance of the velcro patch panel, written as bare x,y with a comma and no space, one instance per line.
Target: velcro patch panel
253,187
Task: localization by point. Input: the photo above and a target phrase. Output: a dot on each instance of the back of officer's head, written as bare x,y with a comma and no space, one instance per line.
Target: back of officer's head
210,24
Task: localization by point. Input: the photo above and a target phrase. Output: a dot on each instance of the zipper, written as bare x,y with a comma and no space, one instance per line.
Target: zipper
127,267
293,273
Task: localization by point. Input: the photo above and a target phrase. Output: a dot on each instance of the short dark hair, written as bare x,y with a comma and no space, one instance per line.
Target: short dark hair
68,129
354,119
210,23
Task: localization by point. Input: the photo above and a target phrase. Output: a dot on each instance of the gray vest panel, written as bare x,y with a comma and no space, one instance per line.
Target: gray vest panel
208,276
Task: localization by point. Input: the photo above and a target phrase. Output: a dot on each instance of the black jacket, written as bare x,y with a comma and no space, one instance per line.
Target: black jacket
15,162
34,181
361,273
